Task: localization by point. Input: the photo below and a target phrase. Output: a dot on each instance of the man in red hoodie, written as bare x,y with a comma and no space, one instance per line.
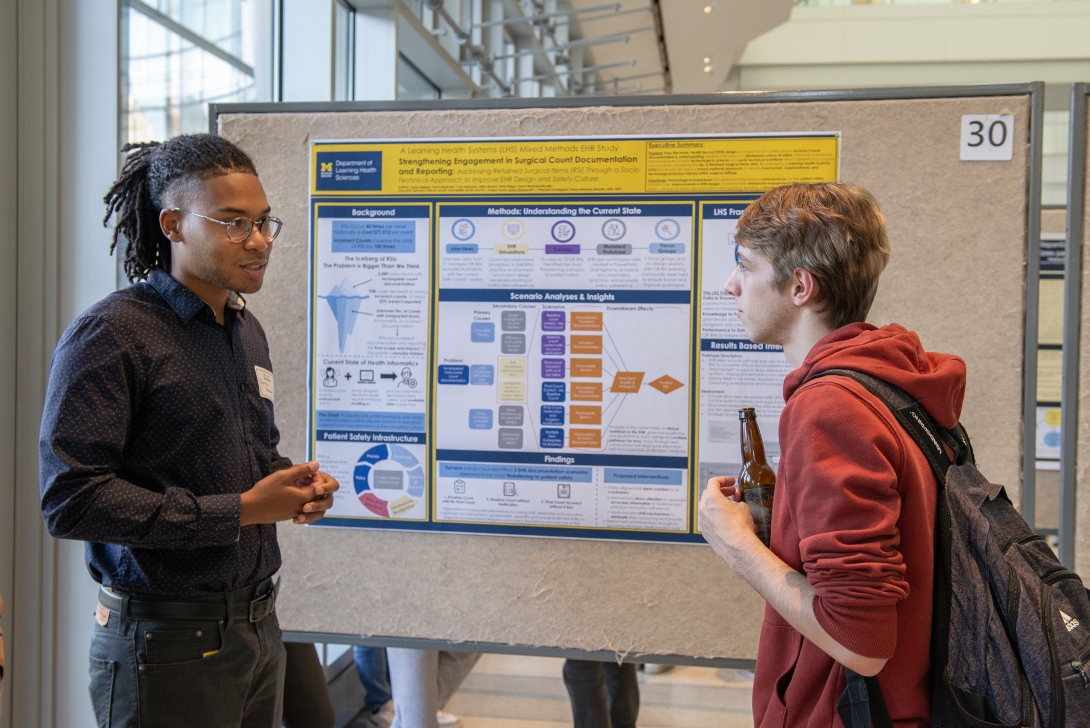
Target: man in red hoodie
848,578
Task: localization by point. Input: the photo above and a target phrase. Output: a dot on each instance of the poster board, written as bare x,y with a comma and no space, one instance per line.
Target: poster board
960,233
1074,525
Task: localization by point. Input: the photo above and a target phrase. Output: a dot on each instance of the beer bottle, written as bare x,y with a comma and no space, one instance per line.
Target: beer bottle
757,481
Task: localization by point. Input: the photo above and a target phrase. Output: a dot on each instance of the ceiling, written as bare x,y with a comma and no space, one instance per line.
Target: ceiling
704,39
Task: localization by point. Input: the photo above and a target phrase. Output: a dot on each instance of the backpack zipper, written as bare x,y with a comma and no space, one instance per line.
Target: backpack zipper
1079,665
1006,545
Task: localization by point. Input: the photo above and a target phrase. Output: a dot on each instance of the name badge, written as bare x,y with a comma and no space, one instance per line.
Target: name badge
264,382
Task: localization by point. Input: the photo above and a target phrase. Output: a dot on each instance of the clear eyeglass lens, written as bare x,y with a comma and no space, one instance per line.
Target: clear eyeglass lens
270,228
238,229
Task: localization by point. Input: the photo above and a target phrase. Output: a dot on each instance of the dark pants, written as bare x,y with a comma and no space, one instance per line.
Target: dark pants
182,674
307,703
603,694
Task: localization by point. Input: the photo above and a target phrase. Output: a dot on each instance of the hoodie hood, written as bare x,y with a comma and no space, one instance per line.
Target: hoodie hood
894,354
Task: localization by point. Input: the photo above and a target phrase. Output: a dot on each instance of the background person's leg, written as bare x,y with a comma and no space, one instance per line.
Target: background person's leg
414,679
624,694
306,694
454,667
587,689
374,674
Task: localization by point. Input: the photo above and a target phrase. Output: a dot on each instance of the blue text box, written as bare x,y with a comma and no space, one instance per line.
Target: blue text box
667,248
511,471
552,437
453,374
639,476
552,414
482,332
480,419
344,171
482,374
552,391
380,421
374,236
461,248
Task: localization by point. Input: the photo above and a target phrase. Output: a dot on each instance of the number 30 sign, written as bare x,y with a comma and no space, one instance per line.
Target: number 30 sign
987,137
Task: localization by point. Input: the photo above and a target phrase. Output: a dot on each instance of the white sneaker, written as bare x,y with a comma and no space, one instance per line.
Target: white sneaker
381,718
448,720
654,668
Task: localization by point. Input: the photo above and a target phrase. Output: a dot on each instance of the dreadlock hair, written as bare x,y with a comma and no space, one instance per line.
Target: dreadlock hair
151,171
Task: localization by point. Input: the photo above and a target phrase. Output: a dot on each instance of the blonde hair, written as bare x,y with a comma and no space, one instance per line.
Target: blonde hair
835,231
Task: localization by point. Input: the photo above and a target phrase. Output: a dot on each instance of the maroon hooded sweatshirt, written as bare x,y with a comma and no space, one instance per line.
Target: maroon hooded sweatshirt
855,512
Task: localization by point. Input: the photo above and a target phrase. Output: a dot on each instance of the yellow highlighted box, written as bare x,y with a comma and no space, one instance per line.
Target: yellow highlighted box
586,344
402,505
582,414
575,166
586,391
585,367
584,438
512,249
512,390
586,320
512,368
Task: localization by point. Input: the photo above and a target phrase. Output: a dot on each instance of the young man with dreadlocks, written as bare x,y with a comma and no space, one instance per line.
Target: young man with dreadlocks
848,577
159,449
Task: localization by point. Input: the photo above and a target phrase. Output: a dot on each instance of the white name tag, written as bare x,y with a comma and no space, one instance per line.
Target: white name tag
264,382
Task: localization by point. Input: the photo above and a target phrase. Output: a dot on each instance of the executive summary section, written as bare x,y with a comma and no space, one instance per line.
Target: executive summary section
563,354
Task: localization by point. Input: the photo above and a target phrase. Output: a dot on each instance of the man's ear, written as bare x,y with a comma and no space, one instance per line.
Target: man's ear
170,223
804,287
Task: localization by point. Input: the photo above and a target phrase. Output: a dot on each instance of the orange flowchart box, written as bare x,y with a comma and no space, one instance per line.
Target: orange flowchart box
586,344
627,382
586,320
584,438
586,391
585,414
585,367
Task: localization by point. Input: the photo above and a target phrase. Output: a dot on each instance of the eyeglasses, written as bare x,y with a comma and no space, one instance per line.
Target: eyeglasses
240,229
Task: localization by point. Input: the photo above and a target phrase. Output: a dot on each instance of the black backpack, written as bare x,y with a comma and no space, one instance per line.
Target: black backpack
1010,636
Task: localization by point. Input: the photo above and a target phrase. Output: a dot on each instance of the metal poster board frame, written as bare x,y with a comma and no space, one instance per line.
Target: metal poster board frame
1035,92
1076,196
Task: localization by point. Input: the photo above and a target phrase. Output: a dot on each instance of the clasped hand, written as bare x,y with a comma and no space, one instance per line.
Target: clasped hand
725,520
300,493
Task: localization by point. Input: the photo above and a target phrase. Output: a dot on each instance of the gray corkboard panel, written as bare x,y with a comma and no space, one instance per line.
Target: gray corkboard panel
1082,457
957,276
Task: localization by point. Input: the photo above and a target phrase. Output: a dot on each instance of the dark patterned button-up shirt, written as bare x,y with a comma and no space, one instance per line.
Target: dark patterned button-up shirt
155,422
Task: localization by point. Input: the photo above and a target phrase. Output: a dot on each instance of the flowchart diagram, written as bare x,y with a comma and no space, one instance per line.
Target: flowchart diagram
567,362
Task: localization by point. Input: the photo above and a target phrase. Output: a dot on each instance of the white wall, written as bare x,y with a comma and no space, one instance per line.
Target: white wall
58,101
892,45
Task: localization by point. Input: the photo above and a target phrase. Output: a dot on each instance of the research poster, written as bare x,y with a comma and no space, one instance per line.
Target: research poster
530,336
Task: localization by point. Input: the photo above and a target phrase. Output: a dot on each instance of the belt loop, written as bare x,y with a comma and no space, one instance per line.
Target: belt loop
123,615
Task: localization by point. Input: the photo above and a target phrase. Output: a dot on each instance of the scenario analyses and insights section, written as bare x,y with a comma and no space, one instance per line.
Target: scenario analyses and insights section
370,327
734,371
563,353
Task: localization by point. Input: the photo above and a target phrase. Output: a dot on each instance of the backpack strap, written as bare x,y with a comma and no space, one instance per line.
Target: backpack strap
861,705
862,702
915,420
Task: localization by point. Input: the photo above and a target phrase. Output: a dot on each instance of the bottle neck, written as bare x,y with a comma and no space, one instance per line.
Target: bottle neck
753,447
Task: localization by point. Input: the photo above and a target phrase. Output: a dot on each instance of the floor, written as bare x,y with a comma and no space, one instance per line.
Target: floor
528,692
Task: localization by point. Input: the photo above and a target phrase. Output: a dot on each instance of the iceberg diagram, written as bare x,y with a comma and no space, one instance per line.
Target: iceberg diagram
345,307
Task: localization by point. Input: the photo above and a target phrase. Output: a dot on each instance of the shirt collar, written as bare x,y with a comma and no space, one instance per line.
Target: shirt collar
185,302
